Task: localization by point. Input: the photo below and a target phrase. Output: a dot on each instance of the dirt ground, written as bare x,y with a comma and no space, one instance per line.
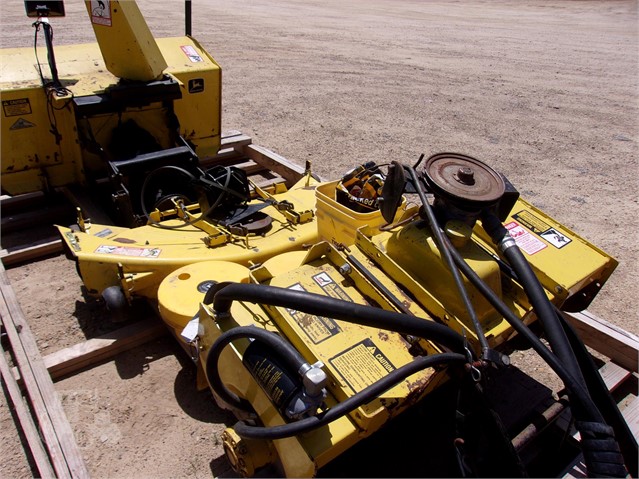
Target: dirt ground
544,91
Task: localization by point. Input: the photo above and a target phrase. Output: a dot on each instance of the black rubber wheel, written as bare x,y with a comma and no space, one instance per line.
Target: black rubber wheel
116,303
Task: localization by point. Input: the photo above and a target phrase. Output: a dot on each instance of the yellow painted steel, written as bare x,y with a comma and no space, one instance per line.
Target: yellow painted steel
34,158
47,141
127,45
355,356
416,241
199,110
139,258
338,223
567,265
397,268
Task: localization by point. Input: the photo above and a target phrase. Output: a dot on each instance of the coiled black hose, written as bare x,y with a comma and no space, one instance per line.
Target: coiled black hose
222,296
280,347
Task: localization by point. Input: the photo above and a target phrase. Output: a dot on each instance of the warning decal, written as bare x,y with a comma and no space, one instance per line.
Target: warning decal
21,124
101,12
19,106
524,239
362,365
317,328
543,229
126,251
555,238
330,287
190,52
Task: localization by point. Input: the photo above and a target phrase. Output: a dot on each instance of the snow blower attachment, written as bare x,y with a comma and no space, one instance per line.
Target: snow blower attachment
316,351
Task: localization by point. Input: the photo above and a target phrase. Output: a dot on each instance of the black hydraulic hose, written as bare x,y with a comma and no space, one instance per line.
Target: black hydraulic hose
282,348
600,449
535,292
604,400
601,442
366,395
438,236
539,347
222,296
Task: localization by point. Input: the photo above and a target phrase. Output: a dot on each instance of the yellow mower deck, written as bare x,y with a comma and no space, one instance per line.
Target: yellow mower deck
138,259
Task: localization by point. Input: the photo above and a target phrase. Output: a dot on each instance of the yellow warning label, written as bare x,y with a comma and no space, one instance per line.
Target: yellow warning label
317,328
362,365
19,106
532,222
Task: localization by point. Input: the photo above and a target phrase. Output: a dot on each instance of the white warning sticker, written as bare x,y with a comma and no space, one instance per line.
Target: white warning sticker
526,241
555,238
101,12
190,52
323,279
127,251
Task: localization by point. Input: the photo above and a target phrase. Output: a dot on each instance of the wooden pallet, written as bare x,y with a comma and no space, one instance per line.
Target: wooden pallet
56,450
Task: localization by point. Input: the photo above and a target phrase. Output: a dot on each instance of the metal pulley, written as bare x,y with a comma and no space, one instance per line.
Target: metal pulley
462,186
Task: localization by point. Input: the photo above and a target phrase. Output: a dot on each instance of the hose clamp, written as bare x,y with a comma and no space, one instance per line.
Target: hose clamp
507,242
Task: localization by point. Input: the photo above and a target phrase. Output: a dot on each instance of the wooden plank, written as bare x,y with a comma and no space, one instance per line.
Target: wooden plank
63,450
10,204
631,415
291,172
230,133
92,351
28,219
27,425
613,375
236,141
612,341
44,421
264,184
31,251
223,155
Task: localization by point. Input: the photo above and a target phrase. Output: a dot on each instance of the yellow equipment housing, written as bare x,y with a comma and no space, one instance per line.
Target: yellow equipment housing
397,269
117,99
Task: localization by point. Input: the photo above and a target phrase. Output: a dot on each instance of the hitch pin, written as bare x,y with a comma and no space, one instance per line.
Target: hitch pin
475,373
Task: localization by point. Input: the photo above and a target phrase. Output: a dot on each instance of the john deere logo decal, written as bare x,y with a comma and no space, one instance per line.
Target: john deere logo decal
196,85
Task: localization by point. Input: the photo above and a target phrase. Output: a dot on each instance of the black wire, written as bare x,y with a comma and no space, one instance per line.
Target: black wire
50,87
439,238
36,25
341,409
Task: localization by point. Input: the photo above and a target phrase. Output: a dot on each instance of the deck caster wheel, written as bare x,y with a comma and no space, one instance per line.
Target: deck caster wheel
116,303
